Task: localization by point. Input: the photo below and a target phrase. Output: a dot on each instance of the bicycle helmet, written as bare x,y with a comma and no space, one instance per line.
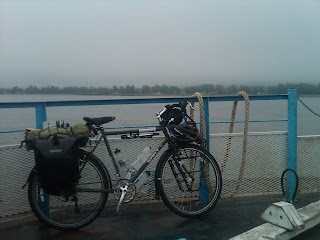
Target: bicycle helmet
184,132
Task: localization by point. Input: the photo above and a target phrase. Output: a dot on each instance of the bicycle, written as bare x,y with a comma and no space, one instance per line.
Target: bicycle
187,177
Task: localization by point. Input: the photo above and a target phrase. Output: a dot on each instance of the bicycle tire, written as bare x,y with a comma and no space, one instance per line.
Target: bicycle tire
198,199
60,214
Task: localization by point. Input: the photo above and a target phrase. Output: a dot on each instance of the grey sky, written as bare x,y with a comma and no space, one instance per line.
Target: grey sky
106,43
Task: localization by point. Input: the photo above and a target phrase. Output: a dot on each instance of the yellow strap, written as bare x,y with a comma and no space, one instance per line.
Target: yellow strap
31,129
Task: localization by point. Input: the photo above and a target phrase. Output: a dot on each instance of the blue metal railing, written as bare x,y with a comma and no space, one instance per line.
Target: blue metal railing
291,97
41,115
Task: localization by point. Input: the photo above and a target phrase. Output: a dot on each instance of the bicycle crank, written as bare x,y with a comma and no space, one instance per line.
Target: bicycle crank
125,191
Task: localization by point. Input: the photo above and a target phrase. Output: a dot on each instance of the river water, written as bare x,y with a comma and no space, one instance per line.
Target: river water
136,115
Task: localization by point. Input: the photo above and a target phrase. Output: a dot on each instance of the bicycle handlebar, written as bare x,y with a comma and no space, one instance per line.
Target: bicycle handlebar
181,105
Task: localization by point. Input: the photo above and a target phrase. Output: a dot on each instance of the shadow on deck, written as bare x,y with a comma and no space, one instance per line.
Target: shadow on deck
154,221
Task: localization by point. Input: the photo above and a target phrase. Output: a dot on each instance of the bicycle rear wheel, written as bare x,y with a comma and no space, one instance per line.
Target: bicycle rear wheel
190,185
75,210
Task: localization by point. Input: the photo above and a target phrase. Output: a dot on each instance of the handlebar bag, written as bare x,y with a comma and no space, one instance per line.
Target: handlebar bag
57,164
173,116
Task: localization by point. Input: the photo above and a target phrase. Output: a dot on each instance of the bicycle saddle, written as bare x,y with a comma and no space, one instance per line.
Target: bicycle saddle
99,121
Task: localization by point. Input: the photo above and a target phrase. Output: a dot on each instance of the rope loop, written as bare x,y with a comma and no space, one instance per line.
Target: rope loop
245,137
244,143
297,184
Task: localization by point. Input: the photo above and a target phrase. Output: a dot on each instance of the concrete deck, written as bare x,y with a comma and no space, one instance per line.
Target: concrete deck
154,221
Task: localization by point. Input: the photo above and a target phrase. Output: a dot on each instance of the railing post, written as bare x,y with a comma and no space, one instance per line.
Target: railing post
41,115
206,119
292,142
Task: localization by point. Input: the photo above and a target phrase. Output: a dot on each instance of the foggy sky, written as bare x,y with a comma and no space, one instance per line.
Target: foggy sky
106,43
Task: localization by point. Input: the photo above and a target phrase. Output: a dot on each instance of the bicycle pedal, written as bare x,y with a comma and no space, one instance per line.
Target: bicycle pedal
118,213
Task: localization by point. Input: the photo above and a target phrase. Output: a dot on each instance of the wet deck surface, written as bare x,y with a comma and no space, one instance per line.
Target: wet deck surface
154,221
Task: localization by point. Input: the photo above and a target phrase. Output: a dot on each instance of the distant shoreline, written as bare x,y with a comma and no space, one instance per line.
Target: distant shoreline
141,95
165,90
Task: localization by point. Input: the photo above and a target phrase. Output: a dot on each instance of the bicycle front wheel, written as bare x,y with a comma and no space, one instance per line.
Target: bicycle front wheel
75,210
189,184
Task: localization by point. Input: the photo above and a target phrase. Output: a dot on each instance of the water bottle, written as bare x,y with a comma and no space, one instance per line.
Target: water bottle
142,158
119,157
142,180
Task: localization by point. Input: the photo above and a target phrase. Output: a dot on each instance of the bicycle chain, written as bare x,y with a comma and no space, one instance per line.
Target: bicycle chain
318,115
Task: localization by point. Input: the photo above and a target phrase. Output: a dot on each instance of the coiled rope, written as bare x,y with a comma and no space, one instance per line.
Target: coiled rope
226,155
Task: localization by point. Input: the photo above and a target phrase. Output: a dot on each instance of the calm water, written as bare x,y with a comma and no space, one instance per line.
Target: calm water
132,115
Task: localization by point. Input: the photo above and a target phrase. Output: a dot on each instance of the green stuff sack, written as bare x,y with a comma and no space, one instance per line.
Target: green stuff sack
32,134
48,133
79,130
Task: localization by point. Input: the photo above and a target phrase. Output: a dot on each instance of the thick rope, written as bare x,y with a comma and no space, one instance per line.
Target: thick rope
244,143
203,133
202,120
245,137
192,152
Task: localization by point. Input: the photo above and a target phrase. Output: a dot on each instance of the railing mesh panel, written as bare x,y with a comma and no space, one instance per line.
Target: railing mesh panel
265,162
308,163
15,167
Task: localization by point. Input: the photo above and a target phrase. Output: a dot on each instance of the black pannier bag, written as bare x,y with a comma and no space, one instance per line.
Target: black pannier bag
57,164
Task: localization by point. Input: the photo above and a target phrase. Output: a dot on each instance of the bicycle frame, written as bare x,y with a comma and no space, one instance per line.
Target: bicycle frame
104,135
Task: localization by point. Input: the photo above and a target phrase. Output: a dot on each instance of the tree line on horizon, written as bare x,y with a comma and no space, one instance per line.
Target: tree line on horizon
205,89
